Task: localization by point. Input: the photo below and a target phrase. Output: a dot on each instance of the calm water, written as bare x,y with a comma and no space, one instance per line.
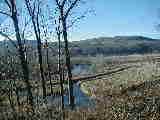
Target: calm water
81,69
81,99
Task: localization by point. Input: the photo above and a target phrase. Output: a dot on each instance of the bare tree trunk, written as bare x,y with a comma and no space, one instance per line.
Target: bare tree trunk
37,32
68,64
24,63
60,71
49,68
40,59
65,7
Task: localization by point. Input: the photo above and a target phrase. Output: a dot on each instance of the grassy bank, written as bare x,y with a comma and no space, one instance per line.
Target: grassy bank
130,94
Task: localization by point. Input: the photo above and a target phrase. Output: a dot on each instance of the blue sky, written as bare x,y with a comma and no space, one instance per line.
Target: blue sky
120,17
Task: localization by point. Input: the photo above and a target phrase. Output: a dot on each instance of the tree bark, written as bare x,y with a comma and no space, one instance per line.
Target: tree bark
49,68
24,63
36,27
60,70
68,64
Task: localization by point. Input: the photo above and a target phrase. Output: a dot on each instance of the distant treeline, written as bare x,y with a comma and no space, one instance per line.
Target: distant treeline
119,45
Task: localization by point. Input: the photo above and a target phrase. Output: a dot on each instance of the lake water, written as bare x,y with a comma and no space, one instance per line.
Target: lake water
81,99
81,69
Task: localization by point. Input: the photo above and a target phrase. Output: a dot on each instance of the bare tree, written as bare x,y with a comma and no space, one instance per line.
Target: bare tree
14,16
34,14
65,8
46,46
58,31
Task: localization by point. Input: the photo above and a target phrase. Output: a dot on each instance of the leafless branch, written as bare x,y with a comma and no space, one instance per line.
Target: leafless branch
5,13
77,19
36,26
29,8
70,8
58,4
25,26
8,4
34,8
63,3
6,36
37,17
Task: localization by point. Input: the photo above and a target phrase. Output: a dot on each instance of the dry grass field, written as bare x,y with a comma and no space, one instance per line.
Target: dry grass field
133,94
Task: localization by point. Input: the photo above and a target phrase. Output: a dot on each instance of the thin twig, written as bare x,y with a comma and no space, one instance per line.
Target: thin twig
8,4
70,8
5,13
6,36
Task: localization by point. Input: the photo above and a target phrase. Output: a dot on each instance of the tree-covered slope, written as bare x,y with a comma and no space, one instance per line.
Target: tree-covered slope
118,45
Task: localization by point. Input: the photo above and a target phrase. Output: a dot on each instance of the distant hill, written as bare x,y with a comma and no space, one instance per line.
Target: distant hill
118,45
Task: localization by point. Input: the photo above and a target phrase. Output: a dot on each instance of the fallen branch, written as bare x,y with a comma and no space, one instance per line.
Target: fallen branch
89,78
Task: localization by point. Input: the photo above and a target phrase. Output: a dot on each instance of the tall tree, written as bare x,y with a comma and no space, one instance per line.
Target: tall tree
24,64
58,31
34,14
65,7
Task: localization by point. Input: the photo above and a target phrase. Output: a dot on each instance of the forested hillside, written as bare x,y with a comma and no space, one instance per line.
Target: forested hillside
118,45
